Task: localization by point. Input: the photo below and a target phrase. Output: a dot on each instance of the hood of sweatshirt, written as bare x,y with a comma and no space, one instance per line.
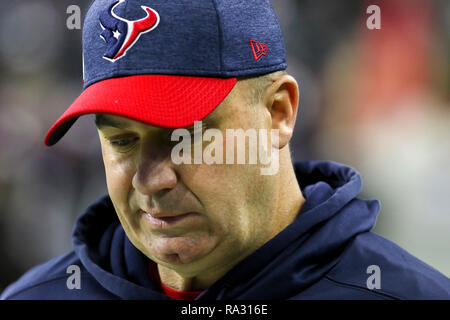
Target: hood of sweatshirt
297,257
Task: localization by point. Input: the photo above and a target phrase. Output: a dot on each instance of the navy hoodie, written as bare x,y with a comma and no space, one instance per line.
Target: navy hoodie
328,252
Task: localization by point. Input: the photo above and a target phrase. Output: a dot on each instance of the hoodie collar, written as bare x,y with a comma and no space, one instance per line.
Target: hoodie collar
309,247
108,255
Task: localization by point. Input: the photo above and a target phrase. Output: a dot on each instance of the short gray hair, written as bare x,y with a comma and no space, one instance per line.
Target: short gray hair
258,84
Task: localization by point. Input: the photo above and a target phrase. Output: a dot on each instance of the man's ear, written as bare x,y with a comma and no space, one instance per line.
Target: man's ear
281,100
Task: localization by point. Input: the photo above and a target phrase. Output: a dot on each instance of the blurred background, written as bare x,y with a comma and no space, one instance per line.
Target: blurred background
377,100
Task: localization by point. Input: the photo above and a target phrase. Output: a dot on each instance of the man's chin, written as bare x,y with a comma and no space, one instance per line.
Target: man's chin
181,250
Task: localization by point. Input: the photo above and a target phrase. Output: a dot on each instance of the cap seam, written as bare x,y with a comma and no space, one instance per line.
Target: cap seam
99,78
219,30
187,75
207,70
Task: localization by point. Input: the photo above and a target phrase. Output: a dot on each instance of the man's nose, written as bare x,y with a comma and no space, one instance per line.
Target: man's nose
155,171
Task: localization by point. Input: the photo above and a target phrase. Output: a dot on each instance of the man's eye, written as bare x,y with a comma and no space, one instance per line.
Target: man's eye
120,143
123,143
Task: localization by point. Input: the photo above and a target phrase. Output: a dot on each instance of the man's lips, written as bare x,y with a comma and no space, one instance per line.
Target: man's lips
165,219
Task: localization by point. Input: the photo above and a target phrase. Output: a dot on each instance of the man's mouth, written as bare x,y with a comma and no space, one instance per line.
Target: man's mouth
162,220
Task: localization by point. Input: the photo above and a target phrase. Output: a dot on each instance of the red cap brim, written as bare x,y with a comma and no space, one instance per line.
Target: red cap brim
161,100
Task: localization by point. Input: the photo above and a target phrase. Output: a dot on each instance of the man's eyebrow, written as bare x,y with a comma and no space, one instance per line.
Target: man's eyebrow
102,121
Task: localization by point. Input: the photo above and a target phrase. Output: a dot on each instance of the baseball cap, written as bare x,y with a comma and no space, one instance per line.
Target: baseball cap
169,63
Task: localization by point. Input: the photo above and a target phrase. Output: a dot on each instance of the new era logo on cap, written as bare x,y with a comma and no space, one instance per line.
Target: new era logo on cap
259,49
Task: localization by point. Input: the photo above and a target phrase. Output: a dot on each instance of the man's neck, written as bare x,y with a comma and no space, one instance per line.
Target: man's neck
290,198
175,281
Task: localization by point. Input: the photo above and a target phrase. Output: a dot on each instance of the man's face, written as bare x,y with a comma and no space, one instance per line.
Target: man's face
193,218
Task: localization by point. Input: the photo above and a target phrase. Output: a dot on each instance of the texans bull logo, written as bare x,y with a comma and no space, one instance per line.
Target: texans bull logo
121,34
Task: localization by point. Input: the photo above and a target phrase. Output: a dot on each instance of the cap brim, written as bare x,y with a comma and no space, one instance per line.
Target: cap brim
161,100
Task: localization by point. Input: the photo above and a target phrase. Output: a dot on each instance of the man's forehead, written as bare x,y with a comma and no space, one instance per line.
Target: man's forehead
103,120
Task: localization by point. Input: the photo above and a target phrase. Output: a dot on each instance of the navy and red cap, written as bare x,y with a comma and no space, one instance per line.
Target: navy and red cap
169,63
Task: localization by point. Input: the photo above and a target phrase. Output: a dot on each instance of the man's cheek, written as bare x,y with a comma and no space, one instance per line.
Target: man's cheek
119,178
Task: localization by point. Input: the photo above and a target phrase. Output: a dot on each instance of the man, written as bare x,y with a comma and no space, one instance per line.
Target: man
179,222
